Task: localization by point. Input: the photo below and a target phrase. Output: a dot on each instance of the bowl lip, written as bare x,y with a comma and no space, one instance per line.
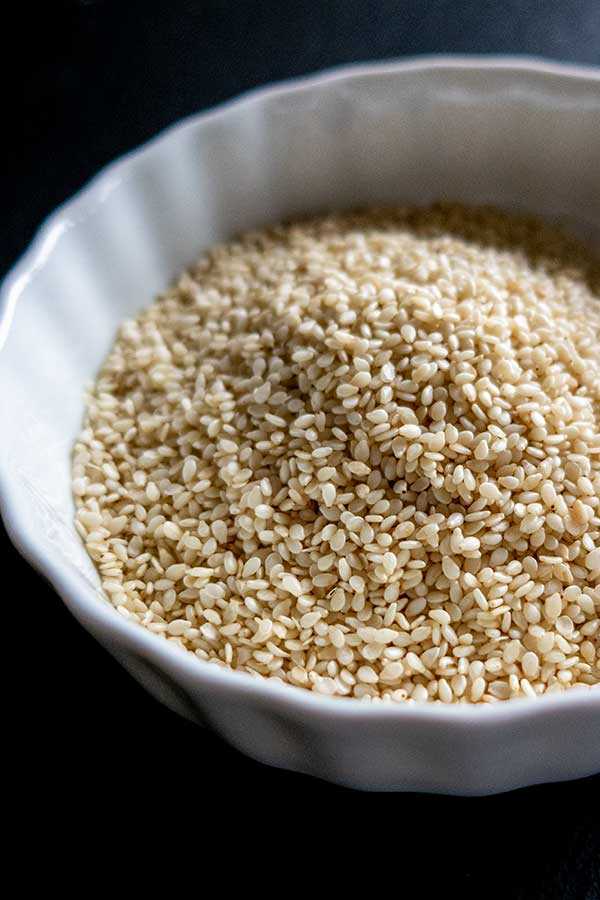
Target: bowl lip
104,619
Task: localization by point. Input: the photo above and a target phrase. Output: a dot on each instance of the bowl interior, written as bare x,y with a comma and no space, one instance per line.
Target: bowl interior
396,134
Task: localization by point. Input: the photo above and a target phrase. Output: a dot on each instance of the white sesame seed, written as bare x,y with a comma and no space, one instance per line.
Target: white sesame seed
329,493
251,567
189,469
359,455
263,511
171,531
445,691
530,664
489,491
449,568
410,431
469,545
291,584
387,373
357,583
553,607
367,675
592,560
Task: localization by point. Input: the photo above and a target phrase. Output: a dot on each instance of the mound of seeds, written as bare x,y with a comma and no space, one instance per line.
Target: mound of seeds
361,454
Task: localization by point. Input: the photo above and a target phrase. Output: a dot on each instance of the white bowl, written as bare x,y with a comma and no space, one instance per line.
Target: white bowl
518,133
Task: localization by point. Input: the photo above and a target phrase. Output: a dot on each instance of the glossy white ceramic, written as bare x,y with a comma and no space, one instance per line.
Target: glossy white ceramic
518,133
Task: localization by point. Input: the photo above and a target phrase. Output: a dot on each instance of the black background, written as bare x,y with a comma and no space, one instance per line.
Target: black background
105,774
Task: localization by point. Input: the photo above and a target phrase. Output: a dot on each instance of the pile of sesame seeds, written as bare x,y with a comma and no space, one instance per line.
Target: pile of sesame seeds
361,454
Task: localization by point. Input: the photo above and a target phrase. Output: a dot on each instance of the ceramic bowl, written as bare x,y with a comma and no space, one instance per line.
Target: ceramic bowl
517,133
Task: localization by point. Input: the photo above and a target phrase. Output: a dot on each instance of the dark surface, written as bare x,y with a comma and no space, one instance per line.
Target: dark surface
95,79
